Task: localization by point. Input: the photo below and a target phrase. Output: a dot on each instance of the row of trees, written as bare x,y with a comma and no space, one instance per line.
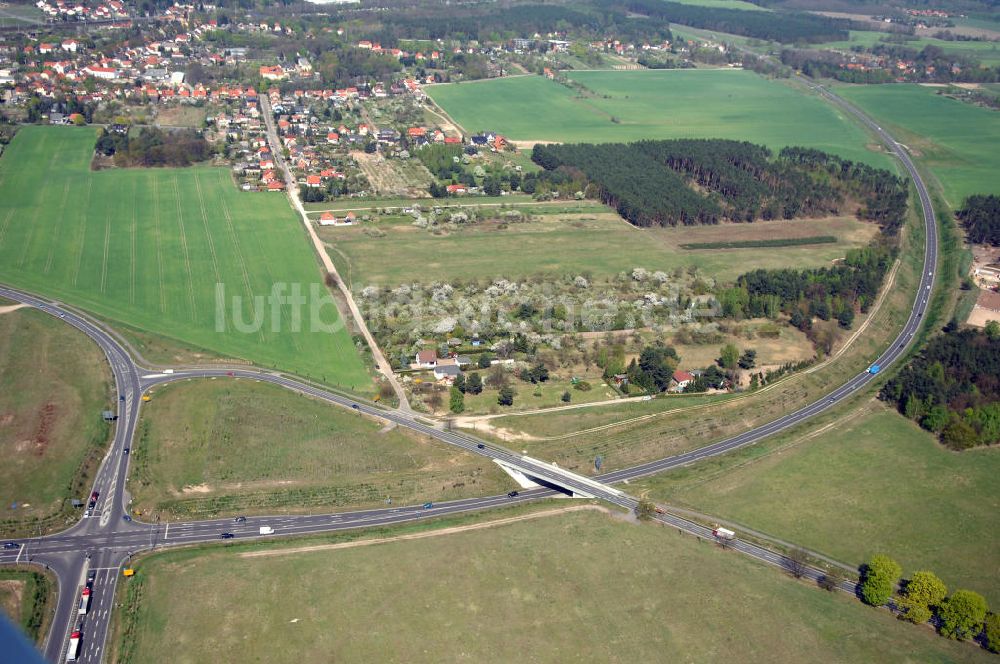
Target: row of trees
963,615
980,216
953,388
648,181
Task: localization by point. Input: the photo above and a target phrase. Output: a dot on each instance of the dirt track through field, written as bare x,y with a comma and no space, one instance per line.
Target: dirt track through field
424,535
11,307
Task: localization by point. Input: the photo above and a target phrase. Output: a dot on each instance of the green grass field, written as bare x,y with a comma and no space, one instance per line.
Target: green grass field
987,52
54,383
875,482
225,447
599,242
956,141
26,597
148,247
656,104
580,587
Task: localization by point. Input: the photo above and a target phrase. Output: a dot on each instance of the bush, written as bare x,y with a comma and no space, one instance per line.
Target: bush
993,632
506,396
582,385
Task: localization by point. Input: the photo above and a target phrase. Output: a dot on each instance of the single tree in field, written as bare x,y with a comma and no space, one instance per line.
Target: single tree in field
566,397
645,510
797,562
474,384
962,615
922,594
879,579
457,404
460,383
506,396
729,357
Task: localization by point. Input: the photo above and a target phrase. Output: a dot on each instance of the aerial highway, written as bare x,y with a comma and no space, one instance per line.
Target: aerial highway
92,552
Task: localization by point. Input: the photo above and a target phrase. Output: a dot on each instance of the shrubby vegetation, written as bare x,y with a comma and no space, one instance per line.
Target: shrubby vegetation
650,182
154,147
980,216
953,388
824,293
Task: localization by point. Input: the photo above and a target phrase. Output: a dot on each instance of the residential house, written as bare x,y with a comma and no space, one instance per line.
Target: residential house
426,359
682,380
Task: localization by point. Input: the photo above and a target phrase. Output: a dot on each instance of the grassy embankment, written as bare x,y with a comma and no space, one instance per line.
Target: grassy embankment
581,586
223,447
54,383
25,598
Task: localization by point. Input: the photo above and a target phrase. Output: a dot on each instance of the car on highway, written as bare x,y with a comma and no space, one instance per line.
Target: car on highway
126,517
240,519
93,500
512,494
226,536
354,406
480,446
121,397
10,545
427,506
126,450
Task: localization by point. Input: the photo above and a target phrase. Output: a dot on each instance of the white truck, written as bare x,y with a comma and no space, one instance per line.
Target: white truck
74,647
266,530
84,601
724,533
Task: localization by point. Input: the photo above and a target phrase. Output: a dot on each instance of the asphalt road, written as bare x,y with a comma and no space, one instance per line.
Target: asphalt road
103,541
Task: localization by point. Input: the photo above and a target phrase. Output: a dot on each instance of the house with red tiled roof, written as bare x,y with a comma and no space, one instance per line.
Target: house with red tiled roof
682,380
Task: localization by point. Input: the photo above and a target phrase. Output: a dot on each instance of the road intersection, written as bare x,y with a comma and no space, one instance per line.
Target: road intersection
93,551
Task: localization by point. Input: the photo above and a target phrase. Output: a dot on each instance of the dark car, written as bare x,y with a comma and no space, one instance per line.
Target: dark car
93,500
512,494
226,536
354,406
121,398
126,517
427,506
10,545
481,446
240,519
126,450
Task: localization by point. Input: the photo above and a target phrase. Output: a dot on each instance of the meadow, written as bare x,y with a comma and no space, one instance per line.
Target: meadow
872,482
221,447
54,383
987,52
634,105
956,141
150,247
599,242
580,586
26,598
